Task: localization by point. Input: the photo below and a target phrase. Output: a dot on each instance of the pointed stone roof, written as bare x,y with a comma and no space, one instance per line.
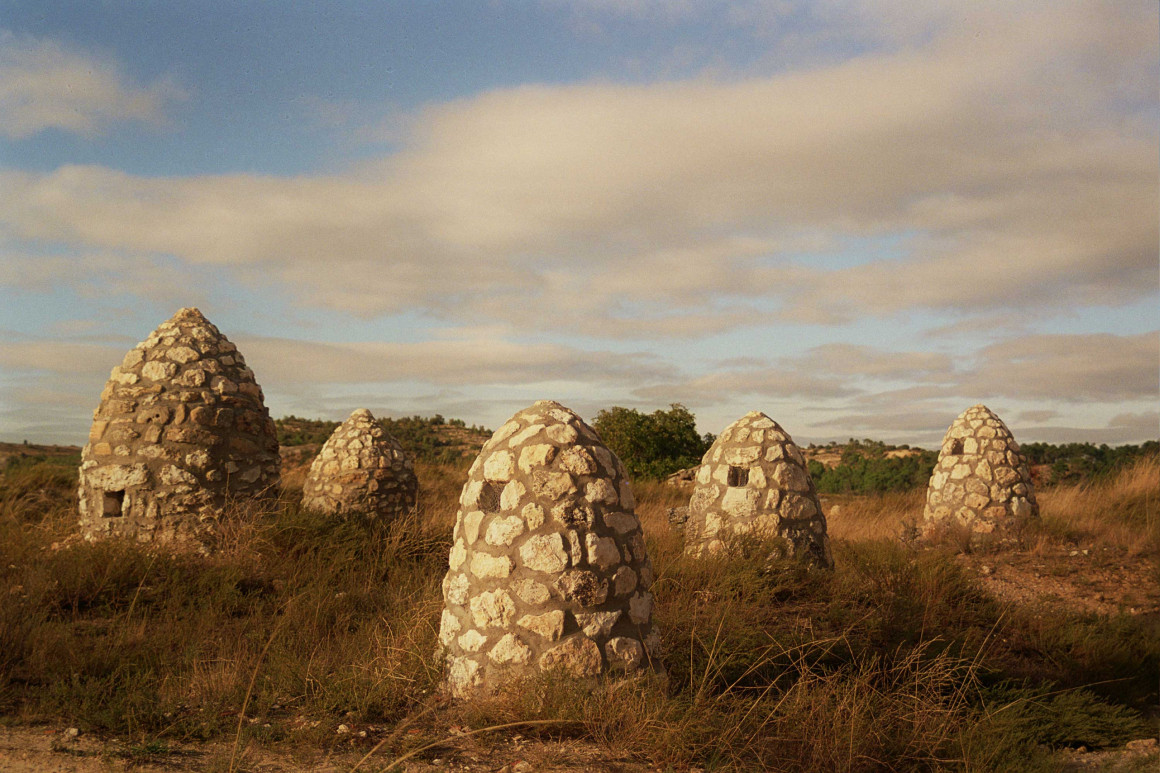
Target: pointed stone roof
753,480
549,568
361,470
181,427
981,482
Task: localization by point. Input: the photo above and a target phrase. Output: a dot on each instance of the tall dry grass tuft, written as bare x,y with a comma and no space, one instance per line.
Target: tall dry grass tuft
873,516
1122,511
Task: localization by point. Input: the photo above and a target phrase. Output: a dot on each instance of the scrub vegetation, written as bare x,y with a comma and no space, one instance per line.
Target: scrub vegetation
315,637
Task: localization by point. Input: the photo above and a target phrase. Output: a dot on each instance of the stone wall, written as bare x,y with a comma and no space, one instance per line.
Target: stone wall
548,569
361,470
981,482
753,481
181,428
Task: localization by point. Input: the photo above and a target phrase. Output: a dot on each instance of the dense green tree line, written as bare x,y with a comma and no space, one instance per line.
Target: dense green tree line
1074,462
862,472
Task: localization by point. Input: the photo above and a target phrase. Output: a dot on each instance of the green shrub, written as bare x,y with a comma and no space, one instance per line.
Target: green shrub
652,445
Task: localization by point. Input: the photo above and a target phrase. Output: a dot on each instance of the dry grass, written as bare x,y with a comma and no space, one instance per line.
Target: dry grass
897,660
874,516
1122,511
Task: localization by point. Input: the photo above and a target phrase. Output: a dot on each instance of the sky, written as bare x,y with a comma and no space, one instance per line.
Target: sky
858,216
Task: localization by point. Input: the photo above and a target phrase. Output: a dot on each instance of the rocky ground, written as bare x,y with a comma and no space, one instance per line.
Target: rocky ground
59,750
62,750
1100,581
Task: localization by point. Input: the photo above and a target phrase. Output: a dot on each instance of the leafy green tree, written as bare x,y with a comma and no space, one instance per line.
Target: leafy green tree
652,445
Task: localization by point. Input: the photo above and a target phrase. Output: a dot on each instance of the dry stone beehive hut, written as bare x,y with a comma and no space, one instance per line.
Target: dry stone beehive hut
981,482
181,428
548,569
753,481
361,470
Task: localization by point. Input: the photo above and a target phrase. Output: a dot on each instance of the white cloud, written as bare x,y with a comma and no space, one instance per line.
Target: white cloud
47,85
1097,367
1013,153
479,362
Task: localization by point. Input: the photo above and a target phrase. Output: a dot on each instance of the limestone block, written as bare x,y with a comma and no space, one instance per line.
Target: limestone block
545,553
485,565
522,437
449,626
472,641
536,457
456,589
512,495
499,467
533,515
577,655
492,609
531,592
640,608
549,626
603,552
503,531
471,523
462,675
621,523
624,652
511,650
740,502
624,581
597,625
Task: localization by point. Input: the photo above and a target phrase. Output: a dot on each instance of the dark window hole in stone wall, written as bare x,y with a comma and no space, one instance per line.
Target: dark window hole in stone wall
738,476
956,448
489,498
112,503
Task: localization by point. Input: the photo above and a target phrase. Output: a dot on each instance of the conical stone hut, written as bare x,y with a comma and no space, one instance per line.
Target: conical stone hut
361,470
181,428
549,568
981,482
753,481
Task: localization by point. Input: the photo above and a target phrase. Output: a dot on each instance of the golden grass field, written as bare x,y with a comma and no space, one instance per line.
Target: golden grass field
309,644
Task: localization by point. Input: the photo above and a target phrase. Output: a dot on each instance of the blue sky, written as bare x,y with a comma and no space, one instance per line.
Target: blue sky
860,216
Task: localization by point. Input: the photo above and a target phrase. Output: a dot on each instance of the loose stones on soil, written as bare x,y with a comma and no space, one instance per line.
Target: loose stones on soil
753,482
548,569
181,428
981,483
361,470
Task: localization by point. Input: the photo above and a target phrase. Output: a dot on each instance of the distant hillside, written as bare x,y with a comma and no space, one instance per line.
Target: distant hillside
15,455
864,466
859,466
830,455
428,439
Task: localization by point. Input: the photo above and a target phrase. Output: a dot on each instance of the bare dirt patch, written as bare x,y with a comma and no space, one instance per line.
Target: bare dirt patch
1101,581
45,749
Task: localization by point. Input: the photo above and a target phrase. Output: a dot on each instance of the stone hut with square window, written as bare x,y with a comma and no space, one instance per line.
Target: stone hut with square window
181,429
361,470
753,481
981,483
548,570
